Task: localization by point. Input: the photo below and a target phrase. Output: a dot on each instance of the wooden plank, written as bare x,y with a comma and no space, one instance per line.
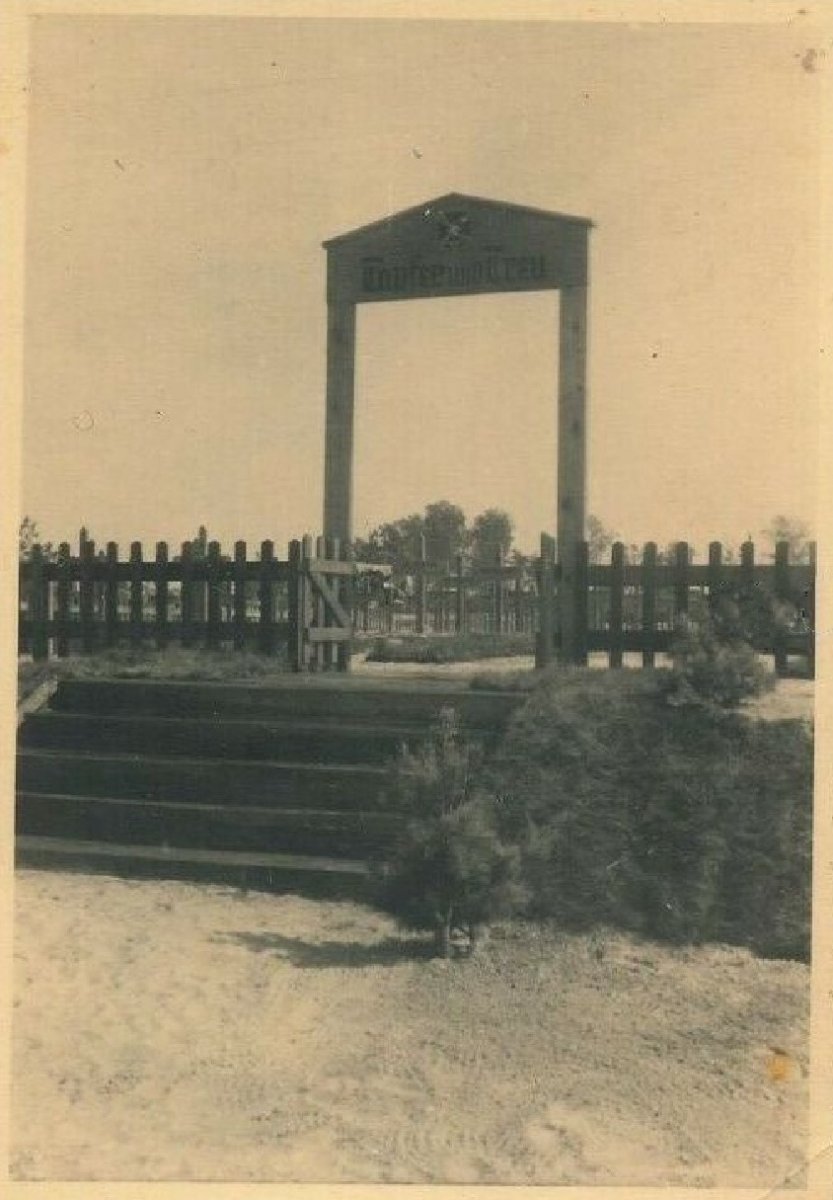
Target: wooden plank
649,604
747,569
266,637
545,579
580,596
161,594
345,585
783,594
681,580
187,594
64,585
572,458
715,575
136,594
617,591
295,647
319,608
323,635
111,596
213,616
331,550
239,596
38,606
87,597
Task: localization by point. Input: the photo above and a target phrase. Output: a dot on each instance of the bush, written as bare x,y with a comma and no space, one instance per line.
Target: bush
681,822
449,648
714,663
449,869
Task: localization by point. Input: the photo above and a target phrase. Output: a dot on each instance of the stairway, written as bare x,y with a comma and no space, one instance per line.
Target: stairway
278,785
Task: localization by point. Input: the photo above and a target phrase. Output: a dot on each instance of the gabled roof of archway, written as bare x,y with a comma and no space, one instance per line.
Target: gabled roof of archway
473,203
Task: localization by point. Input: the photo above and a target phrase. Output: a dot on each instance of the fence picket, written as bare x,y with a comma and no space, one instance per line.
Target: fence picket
649,603
87,596
782,592
810,607
546,580
137,594
187,594
161,596
617,595
38,606
239,598
580,595
64,583
715,573
111,596
213,631
681,579
266,596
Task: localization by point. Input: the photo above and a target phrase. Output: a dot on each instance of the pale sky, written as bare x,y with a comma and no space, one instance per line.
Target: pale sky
184,172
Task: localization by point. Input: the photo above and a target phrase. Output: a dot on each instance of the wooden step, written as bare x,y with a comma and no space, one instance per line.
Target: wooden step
312,697
309,874
218,737
204,826
234,782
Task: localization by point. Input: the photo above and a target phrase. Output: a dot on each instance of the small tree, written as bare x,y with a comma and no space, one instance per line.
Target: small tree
490,536
448,870
794,532
599,539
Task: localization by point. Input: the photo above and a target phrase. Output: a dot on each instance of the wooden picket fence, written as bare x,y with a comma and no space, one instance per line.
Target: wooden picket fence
92,601
311,605
633,608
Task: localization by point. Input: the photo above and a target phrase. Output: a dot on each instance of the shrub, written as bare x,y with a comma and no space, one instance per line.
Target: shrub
447,648
713,661
681,822
449,870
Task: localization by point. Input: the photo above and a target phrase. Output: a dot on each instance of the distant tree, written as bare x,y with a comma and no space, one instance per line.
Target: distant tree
490,534
394,542
793,531
444,526
599,539
29,536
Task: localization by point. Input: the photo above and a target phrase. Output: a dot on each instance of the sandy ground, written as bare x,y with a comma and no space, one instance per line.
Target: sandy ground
186,1032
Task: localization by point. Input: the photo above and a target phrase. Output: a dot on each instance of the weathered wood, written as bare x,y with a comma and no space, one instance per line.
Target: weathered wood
213,633
782,593
187,595
545,579
38,606
266,597
715,575
617,593
572,474
63,588
747,569
580,596
338,454
136,594
239,596
87,596
810,612
161,594
649,604
111,596
681,579
296,608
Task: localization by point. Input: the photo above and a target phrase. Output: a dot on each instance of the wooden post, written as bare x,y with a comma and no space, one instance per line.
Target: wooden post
111,596
38,606
420,586
545,573
581,592
63,589
649,603
239,597
715,574
747,569
681,576
617,595
136,594
213,631
161,598
266,628
338,453
346,592
782,593
87,597
295,646
187,595
572,434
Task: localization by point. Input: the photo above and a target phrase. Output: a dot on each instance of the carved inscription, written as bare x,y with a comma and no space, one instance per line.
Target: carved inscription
413,278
